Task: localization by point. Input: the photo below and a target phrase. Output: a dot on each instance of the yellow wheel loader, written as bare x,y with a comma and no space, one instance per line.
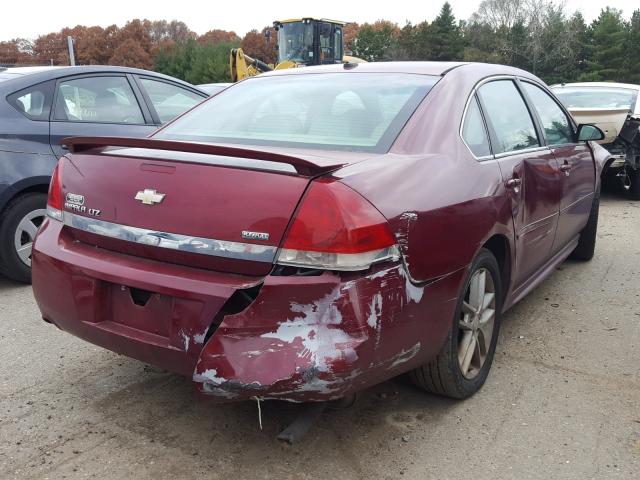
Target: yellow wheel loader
301,42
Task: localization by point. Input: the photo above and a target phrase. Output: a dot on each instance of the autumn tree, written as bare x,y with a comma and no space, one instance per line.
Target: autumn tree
349,35
161,31
15,52
218,36
375,42
255,44
51,48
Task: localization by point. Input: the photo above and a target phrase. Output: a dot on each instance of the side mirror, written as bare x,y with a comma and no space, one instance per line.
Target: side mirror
588,132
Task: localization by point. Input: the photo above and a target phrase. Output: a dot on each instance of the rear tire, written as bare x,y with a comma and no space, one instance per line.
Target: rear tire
18,225
457,371
587,242
631,184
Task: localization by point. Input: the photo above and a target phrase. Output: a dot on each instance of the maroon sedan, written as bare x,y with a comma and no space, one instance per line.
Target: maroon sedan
311,232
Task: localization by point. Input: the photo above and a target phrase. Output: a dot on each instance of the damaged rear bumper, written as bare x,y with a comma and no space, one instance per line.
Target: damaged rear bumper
303,338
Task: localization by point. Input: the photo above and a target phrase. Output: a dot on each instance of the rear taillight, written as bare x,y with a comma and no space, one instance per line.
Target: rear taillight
54,202
337,229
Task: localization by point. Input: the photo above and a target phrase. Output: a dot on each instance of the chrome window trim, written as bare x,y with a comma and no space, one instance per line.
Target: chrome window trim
172,241
518,152
466,107
464,115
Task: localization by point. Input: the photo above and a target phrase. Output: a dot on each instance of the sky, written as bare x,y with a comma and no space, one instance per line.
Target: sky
240,17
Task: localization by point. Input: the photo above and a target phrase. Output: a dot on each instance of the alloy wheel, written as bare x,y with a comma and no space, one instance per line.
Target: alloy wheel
475,327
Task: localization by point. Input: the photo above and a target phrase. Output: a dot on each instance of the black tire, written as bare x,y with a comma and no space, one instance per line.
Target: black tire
10,263
610,182
587,242
632,184
443,376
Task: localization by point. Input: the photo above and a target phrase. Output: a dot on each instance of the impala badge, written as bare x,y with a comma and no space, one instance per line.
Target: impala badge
255,235
149,197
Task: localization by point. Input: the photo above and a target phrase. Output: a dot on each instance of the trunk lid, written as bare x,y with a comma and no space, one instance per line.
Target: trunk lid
207,206
609,120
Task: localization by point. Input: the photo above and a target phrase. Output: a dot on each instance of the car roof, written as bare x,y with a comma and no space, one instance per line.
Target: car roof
598,84
16,78
424,68
477,70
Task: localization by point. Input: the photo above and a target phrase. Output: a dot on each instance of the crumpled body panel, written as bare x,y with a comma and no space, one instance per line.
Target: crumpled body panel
324,337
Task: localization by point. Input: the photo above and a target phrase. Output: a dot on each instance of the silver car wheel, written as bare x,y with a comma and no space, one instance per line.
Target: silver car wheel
476,322
26,233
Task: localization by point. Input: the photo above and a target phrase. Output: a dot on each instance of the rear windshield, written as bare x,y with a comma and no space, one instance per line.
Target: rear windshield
597,97
341,111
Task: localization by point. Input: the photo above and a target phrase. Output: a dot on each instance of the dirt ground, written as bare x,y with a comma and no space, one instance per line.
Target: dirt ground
562,400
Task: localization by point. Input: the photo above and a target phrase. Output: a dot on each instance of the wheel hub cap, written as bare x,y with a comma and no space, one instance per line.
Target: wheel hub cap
475,328
25,234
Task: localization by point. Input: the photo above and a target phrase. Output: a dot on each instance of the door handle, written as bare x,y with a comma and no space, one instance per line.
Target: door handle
565,167
513,183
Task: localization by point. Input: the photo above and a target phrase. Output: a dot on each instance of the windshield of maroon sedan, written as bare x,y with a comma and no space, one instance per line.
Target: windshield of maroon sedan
337,111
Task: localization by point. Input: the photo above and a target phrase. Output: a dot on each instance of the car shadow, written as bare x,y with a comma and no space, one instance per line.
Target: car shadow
7,285
164,408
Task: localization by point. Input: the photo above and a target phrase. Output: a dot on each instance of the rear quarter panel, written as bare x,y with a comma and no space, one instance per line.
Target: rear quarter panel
441,202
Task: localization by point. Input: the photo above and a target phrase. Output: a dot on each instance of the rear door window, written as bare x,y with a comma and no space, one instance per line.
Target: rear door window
169,100
33,102
97,99
557,127
474,131
509,117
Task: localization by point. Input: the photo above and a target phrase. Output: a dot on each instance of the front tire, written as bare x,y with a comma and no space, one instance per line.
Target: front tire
587,242
462,366
19,224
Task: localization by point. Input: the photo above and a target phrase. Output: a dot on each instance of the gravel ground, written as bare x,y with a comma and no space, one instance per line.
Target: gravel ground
562,401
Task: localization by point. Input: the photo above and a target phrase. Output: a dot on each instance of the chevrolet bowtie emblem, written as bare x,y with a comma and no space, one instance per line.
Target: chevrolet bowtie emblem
149,197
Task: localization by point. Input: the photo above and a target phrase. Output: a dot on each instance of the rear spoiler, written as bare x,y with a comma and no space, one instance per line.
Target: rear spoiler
302,166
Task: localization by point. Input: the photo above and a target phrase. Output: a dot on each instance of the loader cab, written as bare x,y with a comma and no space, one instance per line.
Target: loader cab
309,41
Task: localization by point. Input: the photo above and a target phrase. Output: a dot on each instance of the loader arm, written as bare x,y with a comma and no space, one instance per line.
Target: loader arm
243,66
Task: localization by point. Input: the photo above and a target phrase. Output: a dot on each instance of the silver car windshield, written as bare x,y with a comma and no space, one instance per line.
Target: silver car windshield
597,97
337,111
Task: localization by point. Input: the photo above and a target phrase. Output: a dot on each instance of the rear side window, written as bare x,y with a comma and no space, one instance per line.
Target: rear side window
33,102
474,131
556,125
97,99
169,100
507,113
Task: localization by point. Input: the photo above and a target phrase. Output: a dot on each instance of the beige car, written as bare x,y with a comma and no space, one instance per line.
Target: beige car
615,108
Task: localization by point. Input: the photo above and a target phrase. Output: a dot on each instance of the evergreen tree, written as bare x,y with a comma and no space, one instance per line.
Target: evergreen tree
377,42
444,38
633,49
608,54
